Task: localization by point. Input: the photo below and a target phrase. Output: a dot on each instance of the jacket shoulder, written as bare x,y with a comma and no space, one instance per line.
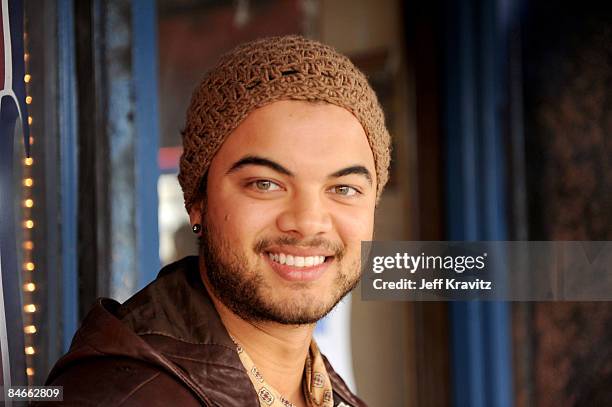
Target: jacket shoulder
120,381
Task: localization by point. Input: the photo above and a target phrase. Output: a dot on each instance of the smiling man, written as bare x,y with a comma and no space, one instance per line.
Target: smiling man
285,156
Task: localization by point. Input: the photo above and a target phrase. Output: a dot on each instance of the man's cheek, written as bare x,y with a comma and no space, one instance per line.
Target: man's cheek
358,232
252,222
358,223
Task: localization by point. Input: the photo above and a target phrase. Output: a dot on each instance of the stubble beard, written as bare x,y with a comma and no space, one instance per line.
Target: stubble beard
242,288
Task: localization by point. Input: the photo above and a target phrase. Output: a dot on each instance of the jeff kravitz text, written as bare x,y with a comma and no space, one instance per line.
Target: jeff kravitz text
436,284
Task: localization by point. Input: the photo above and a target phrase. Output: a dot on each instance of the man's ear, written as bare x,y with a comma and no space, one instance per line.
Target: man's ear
195,221
195,215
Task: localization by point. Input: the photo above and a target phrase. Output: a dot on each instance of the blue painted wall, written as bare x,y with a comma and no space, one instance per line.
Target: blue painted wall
475,170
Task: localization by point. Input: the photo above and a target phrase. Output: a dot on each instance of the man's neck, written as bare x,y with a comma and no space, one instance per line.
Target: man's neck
278,351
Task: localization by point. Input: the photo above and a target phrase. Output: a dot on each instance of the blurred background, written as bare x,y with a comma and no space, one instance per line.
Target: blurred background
501,118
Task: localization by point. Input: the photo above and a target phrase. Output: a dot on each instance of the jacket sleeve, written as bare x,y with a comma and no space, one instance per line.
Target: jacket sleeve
116,381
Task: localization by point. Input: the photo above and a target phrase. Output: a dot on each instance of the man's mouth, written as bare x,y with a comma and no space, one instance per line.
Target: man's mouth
292,267
297,261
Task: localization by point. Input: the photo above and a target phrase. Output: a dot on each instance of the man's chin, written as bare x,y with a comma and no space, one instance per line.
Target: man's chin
296,307
286,312
288,316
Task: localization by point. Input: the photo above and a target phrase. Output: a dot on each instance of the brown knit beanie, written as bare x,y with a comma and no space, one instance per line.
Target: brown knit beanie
260,72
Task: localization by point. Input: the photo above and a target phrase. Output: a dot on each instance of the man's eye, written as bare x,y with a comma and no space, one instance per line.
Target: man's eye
345,190
265,185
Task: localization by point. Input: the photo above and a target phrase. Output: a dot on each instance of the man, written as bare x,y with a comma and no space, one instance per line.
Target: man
285,156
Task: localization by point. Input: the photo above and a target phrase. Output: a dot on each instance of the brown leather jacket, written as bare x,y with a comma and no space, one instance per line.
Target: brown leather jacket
165,346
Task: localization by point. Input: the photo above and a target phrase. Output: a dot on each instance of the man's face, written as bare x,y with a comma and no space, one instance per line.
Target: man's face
290,196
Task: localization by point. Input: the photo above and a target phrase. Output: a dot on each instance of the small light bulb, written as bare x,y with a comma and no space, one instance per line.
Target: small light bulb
27,78
30,371
29,224
29,350
28,203
29,329
29,308
28,245
29,100
28,161
29,266
26,57
31,140
30,120
28,182
29,287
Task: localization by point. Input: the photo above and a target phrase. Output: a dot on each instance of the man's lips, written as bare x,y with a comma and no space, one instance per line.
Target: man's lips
298,268
299,251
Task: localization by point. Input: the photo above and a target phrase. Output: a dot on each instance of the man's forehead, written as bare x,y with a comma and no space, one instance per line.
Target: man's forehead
300,132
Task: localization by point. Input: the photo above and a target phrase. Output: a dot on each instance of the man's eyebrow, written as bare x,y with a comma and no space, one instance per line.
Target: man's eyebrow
261,161
354,169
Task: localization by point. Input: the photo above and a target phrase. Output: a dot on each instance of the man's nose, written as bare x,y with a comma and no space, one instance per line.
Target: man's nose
305,214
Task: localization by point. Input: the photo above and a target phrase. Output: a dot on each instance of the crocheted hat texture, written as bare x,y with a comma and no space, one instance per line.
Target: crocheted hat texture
263,71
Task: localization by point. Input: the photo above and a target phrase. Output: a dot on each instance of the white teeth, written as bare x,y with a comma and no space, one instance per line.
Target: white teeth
297,261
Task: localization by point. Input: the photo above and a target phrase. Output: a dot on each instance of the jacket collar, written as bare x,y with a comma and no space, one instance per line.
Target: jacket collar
176,317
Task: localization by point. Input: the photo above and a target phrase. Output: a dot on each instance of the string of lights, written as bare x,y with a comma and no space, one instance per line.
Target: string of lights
29,267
